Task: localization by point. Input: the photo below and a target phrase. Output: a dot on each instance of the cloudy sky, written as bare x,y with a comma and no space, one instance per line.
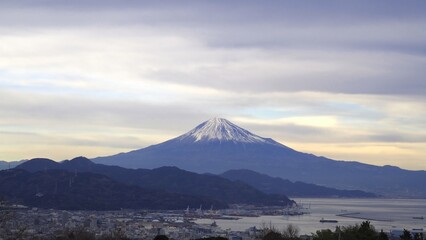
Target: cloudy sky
342,79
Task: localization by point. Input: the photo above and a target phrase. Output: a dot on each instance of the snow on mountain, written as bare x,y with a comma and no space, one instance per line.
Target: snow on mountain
219,129
218,145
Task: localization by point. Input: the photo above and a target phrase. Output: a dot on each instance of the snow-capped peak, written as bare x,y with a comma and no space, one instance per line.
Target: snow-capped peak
219,129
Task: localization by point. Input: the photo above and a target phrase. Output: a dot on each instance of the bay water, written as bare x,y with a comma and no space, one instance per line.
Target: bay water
384,214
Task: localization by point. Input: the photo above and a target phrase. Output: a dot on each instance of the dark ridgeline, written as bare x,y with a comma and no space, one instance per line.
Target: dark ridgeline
173,179
276,185
60,189
214,190
218,145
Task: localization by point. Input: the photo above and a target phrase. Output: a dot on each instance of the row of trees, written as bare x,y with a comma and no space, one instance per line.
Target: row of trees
290,232
363,231
163,237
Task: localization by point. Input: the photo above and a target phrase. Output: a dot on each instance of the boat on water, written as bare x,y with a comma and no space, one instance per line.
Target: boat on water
419,218
328,220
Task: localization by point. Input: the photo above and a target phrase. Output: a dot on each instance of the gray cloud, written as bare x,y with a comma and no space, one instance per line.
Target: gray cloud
52,111
301,133
398,137
403,79
355,47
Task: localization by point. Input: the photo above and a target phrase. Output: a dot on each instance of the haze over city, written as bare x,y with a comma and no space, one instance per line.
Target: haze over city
344,80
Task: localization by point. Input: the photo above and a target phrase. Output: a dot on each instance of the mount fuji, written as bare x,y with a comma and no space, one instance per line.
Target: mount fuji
222,130
214,146
217,145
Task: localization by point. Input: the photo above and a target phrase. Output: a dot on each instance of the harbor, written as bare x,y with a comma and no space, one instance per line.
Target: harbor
385,214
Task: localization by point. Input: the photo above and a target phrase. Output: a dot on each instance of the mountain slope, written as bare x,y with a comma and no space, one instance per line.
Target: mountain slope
277,185
217,146
8,165
170,179
204,150
61,189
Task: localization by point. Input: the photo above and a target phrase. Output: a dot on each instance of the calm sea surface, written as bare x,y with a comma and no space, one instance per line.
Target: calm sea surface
388,214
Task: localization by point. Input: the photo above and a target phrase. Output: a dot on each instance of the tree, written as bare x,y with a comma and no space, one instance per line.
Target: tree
366,231
418,236
291,232
350,233
382,236
406,235
273,235
161,237
326,234
213,238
